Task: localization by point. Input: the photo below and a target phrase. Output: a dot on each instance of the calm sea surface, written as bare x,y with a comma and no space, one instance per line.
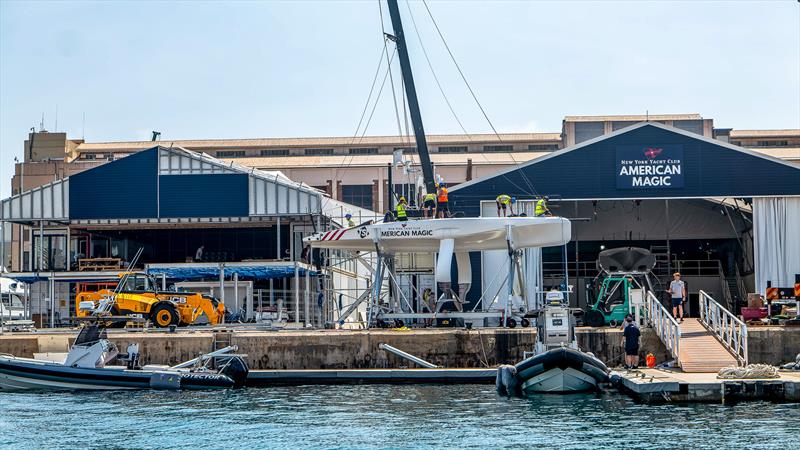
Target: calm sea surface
383,417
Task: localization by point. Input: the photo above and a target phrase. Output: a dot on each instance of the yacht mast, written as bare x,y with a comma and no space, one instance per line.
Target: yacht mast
411,95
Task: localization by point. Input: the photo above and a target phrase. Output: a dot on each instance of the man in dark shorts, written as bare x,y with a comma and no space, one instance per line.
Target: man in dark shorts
677,290
630,340
429,205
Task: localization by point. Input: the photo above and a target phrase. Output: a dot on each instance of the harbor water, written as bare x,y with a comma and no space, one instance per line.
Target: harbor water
382,416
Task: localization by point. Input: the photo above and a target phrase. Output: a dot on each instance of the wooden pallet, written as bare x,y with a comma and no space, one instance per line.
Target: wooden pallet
700,351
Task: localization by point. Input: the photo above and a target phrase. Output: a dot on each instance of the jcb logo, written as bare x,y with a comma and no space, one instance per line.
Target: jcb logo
178,299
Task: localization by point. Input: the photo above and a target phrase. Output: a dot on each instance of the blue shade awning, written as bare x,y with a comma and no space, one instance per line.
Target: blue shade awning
270,272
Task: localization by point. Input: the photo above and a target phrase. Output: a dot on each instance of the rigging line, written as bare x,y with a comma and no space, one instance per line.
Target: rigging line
391,76
475,97
371,89
345,165
433,72
463,77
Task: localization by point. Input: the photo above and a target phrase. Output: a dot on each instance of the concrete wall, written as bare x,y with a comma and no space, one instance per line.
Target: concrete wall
359,349
772,345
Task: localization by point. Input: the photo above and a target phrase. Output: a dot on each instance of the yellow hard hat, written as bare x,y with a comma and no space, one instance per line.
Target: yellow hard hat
402,199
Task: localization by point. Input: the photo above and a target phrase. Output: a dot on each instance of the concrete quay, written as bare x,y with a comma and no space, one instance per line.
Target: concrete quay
674,386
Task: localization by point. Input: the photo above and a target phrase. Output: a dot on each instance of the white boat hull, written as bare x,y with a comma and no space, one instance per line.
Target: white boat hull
468,234
563,381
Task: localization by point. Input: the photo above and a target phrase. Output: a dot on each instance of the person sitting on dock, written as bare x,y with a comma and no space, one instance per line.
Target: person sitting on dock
505,202
443,207
677,290
541,207
350,223
429,205
630,340
400,210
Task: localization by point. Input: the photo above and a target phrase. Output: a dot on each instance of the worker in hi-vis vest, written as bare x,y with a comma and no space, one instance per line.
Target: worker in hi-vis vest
505,202
400,210
429,205
541,207
442,207
350,223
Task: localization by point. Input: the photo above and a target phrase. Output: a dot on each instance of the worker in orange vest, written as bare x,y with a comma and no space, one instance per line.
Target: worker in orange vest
442,205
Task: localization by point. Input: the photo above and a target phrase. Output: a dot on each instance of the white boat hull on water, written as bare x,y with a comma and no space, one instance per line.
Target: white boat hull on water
468,234
561,381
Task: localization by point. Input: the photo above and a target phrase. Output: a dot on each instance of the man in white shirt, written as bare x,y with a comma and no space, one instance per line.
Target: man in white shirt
198,255
677,290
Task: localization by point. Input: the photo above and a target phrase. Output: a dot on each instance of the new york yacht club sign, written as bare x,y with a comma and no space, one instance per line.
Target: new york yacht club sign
649,166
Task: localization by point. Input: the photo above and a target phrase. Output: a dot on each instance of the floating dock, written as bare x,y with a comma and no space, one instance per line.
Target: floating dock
665,386
370,376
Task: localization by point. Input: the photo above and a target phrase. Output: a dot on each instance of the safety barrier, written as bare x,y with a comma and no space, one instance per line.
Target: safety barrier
727,328
664,324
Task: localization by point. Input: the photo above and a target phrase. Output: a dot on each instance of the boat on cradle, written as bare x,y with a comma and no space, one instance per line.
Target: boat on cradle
87,367
465,234
558,366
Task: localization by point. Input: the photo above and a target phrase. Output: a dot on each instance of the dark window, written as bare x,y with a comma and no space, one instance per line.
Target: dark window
588,130
281,152
457,149
739,143
773,143
695,126
498,148
358,194
409,191
87,156
543,147
363,151
618,125
230,154
318,151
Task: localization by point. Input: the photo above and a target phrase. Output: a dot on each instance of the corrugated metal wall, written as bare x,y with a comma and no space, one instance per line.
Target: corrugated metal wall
123,189
218,195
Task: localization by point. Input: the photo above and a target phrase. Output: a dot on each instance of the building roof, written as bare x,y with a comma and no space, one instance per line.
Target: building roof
765,133
633,118
726,174
320,142
441,159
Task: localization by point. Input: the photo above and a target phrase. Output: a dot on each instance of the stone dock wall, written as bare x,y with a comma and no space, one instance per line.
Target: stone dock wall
359,349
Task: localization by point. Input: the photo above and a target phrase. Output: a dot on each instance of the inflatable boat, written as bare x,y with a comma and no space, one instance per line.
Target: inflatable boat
561,370
86,367
558,365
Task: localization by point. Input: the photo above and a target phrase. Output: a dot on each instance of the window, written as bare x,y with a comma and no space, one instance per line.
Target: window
457,149
87,156
230,154
695,126
618,125
318,151
773,143
588,130
281,152
739,143
358,194
498,148
407,150
543,147
363,151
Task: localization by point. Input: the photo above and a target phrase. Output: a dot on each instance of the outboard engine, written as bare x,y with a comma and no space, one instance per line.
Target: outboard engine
234,367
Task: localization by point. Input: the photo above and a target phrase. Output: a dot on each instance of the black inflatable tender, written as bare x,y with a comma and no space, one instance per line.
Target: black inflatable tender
626,259
561,358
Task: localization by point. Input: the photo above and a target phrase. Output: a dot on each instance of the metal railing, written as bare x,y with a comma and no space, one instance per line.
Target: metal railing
727,328
665,325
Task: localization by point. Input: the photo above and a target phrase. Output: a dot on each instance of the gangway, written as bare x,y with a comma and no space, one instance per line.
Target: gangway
717,339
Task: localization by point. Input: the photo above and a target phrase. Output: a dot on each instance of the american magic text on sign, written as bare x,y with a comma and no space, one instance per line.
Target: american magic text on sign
649,166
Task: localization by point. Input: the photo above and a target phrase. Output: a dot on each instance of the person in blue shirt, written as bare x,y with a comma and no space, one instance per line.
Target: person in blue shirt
631,340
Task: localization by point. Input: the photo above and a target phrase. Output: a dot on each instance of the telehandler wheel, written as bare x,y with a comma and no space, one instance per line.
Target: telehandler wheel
164,315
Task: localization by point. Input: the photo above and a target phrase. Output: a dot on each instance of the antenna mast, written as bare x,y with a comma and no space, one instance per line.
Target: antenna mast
411,94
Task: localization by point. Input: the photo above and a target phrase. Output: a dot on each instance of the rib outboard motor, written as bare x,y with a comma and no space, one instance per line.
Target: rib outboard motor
235,367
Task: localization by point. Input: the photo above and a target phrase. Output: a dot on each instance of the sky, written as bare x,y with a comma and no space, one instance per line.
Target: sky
115,71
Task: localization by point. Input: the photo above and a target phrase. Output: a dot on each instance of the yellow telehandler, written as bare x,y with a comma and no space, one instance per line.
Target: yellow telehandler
137,293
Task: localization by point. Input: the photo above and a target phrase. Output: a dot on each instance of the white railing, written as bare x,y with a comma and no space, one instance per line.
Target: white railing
665,325
728,329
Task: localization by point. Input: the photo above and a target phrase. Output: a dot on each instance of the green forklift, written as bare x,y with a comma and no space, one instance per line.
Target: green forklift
621,271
